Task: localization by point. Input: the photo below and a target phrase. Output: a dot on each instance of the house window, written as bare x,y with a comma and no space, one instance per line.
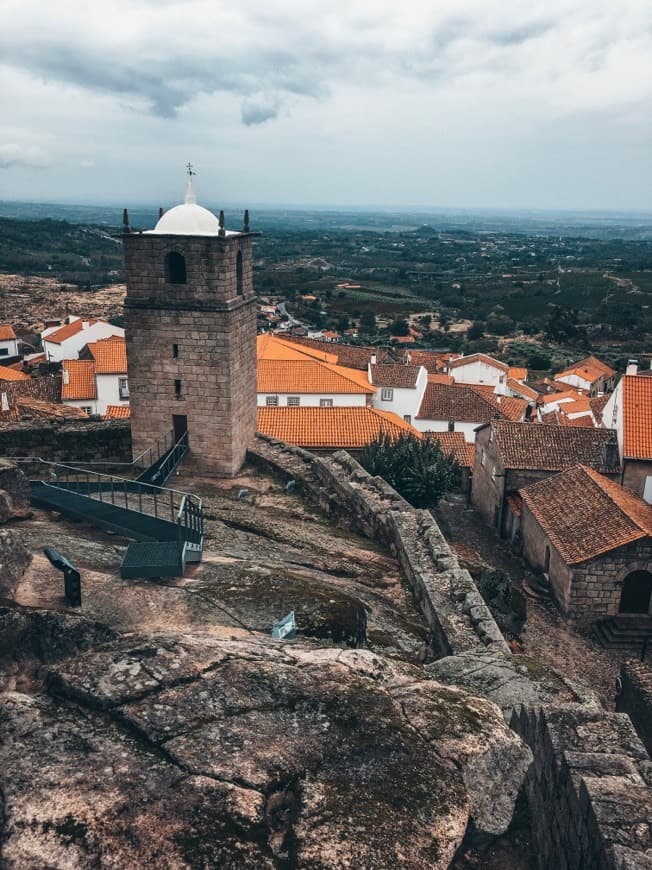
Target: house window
451,425
87,410
175,350
407,418
325,403
271,401
4,351
238,273
387,394
177,389
294,401
175,268
123,388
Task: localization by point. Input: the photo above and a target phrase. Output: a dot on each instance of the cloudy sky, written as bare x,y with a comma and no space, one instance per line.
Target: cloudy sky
471,103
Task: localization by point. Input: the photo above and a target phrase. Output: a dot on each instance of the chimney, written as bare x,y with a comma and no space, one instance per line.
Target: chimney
408,358
373,359
632,367
85,324
65,377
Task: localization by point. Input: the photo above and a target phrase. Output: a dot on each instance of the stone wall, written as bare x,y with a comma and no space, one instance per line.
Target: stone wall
588,789
446,594
82,442
636,698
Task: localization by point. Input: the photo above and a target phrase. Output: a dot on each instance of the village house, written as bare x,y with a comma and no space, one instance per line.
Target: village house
399,388
629,411
329,428
478,368
593,541
510,456
98,379
65,342
589,374
462,408
8,343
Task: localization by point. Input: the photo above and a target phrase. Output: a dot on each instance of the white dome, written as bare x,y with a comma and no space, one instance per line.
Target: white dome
188,219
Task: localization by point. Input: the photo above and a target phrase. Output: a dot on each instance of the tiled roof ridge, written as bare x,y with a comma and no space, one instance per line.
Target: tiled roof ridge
622,498
478,356
334,368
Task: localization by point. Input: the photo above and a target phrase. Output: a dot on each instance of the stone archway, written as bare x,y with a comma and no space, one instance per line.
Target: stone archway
636,592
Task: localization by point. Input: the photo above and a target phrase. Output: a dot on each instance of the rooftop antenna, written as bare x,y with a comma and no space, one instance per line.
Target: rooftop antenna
190,197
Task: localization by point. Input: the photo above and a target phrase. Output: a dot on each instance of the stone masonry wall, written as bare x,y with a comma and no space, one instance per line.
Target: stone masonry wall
83,442
636,698
588,789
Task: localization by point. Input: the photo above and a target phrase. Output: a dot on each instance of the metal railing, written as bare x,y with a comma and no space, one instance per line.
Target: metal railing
175,506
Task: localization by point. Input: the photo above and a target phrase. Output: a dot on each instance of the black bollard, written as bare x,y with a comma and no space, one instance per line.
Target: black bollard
71,576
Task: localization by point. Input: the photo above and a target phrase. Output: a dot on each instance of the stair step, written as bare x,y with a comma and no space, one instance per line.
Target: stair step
623,632
152,559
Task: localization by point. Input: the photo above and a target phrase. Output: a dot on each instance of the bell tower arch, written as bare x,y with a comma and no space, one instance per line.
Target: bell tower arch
190,325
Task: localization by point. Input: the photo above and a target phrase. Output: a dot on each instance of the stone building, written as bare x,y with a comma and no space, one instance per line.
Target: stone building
509,456
593,539
190,322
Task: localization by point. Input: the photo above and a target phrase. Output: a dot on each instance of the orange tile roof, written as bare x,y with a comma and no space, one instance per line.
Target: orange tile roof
67,331
78,379
399,376
522,389
519,374
273,347
310,376
403,339
9,374
440,379
354,356
570,395
478,357
6,332
455,443
637,417
333,428
117,412
467,403
110,355
585,515
590,369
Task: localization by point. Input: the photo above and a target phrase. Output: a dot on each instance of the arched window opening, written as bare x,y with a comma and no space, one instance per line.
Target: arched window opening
635,597
175,268
238,273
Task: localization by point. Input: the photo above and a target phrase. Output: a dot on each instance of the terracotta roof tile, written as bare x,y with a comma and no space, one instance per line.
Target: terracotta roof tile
399,376
467,404
347,354
117,412
433,361
110,355
481,357
78,379
9,374
518,373
637,417
6,332
455,443
273,347
522,389
67,331
333,428
29,407
590,369
584,514
554,448
440,379
309,376
597,405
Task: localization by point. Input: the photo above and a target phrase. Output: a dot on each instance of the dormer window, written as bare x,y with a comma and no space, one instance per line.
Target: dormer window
175,268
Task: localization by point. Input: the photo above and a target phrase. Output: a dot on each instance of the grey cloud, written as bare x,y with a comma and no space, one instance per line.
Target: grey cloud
259,109
30,157
518,35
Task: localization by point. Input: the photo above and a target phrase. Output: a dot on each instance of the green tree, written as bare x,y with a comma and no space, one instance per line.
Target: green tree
368,323
399,327
475,331
416,467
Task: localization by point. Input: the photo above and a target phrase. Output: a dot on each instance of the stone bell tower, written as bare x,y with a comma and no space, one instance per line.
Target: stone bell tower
190,324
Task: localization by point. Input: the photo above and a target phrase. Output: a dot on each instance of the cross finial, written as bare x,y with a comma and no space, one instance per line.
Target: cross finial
190,170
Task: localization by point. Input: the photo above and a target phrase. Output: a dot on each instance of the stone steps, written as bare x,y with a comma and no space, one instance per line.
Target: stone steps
623,632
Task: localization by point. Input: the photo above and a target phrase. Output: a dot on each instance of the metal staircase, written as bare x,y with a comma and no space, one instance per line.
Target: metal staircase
167,525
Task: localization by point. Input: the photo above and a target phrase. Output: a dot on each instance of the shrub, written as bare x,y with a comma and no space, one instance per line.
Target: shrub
416,467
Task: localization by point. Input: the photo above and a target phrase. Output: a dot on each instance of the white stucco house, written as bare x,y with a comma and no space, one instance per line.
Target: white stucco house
98,379
8,342
66,341
478,368
399,389
311,383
